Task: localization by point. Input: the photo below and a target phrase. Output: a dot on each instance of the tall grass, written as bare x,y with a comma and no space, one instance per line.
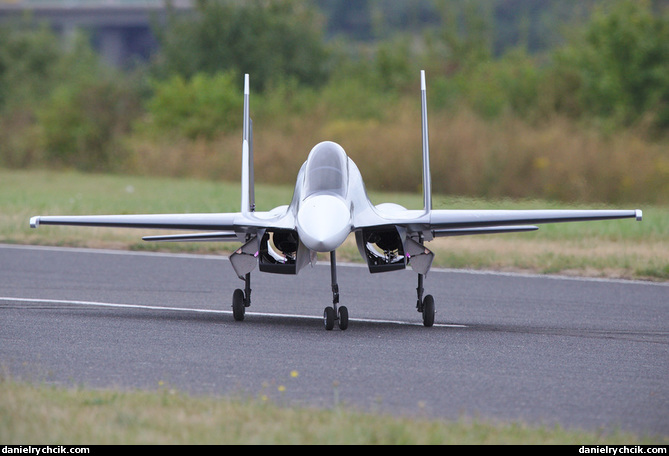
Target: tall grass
555,159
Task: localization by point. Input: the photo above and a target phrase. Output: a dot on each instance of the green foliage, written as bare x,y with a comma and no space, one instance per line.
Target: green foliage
464,38
461,50
355,99
269,39
60,106
615,72
28,63
29,59
509,84
82,124
622,63
283,100
59,102
202,106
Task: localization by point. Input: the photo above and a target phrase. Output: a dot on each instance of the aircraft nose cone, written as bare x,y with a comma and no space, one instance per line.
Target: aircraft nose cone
323,222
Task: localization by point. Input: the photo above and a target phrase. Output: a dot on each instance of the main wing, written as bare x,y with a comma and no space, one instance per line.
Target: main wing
390,235
232,226
452,222
457,222
210,222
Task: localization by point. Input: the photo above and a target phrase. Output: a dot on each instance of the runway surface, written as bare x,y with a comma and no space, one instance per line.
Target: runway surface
590,354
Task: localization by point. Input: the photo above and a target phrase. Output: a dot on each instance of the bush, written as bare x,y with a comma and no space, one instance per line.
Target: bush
203,106
60,103
509,84
81,124
623,63
29,60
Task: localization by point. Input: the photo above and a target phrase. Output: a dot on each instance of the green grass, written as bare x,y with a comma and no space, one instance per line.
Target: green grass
621,248
43,414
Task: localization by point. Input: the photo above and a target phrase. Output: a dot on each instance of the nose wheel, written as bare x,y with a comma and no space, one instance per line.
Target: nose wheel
334,313
332,316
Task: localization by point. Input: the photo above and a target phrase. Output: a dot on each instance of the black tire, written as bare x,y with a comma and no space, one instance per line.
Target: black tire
343,318
329,318
238,307
428,311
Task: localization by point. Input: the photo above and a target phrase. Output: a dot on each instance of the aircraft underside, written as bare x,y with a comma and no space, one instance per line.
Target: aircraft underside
281,252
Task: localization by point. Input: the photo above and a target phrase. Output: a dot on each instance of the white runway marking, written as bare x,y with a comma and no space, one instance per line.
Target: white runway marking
211,311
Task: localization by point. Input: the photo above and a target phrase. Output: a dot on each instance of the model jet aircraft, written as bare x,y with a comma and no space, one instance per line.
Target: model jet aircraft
330,203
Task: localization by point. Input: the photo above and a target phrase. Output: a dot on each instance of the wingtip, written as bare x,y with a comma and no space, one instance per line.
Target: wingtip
34,222
246,84
639,215
422,80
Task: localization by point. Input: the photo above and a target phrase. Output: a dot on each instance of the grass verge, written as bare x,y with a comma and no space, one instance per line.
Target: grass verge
621,249
43,414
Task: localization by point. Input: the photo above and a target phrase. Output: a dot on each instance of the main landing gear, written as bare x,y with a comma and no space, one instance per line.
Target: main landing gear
241,299
425,305
334,313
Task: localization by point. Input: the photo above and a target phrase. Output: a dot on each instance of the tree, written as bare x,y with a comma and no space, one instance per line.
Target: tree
204,106
623,63
270,39
29,58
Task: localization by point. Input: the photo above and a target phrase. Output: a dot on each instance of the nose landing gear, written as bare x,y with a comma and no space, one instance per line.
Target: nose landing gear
334,313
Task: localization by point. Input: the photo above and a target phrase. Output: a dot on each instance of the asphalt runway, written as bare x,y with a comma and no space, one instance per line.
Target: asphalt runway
582,353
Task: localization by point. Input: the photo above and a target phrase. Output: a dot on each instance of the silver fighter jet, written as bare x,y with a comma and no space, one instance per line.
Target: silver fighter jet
330,202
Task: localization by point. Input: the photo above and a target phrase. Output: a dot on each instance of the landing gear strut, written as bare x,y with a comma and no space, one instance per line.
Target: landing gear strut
241,299
334,313
425,305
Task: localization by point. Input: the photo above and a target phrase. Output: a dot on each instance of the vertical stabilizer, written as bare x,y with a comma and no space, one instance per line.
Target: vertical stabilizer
427,182
248,192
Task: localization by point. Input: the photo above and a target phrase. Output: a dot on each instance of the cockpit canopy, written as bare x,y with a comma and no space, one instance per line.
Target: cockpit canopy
327,170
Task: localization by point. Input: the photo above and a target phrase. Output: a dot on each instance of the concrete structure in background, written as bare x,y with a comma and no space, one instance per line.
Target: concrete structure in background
120,30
